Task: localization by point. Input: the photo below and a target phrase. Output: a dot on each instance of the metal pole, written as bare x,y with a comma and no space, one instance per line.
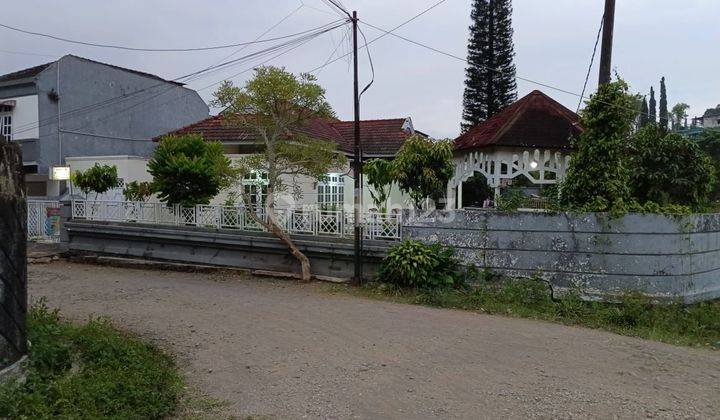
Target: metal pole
607,42
357,160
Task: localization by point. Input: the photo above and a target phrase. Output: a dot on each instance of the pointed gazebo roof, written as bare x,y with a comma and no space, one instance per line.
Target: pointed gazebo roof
535,121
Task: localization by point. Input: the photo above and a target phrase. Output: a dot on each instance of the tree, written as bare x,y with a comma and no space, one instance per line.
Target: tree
273,107
678,115
379,175
663,105
669,169
138,191
597,178
709,142
490,77
644,118
652,115
423,168
98,179
188,170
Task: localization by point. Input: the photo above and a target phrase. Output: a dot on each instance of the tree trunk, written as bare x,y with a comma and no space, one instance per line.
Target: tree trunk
271,225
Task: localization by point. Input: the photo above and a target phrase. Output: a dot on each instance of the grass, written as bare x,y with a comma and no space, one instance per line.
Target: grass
633,315
90,371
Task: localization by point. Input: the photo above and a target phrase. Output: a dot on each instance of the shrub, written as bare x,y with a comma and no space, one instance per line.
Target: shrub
423,168
187,170
98,179
138,191
511,199
669,169
417,265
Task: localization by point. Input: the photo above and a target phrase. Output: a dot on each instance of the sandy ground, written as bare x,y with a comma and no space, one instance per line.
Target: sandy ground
285,350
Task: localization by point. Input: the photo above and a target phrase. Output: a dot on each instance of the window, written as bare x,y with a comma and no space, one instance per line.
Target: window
255,184
331,192
6,126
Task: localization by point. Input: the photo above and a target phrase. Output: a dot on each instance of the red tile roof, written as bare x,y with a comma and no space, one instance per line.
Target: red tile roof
379,137
536,121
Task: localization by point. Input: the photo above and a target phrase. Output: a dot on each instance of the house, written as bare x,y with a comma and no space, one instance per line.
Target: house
710,119
78,111
380,139
527,143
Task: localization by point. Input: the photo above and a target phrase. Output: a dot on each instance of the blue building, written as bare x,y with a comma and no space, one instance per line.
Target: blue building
79,108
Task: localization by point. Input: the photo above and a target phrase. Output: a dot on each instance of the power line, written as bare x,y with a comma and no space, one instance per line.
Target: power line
204,72
292,44
485,67
121,47
28,53
592,60
385,34
372,66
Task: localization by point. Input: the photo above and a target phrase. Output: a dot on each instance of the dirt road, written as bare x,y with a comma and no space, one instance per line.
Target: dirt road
284,350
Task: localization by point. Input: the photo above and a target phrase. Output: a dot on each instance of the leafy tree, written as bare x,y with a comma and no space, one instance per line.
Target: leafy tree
379,175
98,179
709,142
597,177
644,118
678,115
423,168
669,169
138,191
188,170
490,77
274,106
663,105
652,115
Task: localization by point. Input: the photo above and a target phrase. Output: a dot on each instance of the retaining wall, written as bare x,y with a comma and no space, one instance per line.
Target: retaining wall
662,256
221,247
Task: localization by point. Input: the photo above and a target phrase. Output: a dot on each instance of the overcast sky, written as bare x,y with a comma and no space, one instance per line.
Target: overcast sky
553,45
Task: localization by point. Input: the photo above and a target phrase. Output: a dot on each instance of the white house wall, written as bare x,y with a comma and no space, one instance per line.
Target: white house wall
24,117
129,169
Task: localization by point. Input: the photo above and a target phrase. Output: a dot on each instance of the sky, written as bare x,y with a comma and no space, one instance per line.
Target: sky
553,45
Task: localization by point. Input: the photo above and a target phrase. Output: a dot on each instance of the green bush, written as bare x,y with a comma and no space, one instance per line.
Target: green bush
98,179
187,170
669,169
417,265
89,371
138,191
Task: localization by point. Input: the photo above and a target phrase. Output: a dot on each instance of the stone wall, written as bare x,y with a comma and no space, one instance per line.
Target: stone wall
663,256
13,267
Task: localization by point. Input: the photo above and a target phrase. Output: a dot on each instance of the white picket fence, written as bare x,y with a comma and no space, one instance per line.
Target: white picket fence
299,221
43,220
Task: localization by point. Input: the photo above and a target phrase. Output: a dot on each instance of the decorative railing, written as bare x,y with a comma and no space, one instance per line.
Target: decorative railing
297,221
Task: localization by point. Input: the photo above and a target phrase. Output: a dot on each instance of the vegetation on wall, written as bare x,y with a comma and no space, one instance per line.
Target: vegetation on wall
597,178
423,168
272,106
98,179
188,170
668,168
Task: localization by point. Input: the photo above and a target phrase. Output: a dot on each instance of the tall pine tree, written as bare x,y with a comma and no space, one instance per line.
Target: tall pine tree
664,117
644,113
652,114
490,78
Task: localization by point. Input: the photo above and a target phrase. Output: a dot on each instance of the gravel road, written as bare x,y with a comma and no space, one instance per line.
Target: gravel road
285,350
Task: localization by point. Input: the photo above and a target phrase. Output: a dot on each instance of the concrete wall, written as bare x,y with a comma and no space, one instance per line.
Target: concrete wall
261,251
24,117
663,256
13,261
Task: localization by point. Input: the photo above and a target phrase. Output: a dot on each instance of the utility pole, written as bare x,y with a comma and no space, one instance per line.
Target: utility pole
357,161
607,42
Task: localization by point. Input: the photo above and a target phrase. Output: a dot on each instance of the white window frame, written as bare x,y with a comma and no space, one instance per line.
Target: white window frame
6,129
331,192
255,183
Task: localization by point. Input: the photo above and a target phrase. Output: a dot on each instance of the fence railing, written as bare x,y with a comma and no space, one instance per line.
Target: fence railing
43,220
298,221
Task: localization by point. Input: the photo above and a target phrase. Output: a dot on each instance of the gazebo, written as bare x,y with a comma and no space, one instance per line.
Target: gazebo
530,138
